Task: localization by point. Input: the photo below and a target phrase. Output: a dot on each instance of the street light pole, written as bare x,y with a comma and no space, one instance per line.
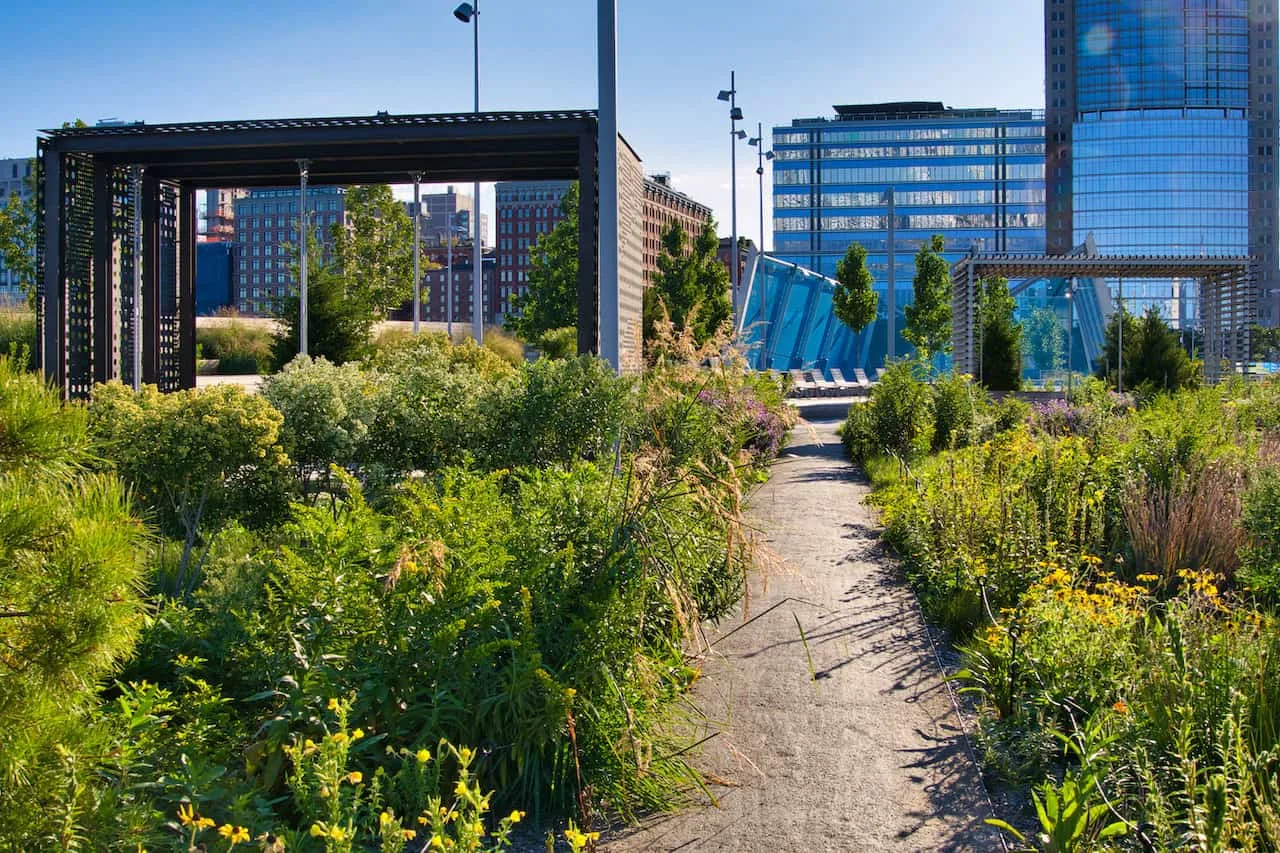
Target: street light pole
1071,337
761,156
735,115
417,251
469,13
304,167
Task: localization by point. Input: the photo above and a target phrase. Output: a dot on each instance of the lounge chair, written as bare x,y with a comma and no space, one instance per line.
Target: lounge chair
826,388
843,384
861,376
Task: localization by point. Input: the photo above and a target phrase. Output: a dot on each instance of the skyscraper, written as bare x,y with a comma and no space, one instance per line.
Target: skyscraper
975,176
1161,124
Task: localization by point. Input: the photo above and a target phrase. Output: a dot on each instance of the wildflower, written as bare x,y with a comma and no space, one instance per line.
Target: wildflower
337,833
333,704
465,754
204,822
317,831
357,734
460,789
408,834
424,755
308,746
436,843
385,818
186,814
355,777
1120,707
324,791
339,737
234,834
515,816
1147,577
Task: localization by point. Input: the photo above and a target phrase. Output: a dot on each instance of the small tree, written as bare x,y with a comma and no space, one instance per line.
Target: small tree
18,241
855,298
1105,369
1159,360
692,285
339,318
928,317
194,459
1045,339
999,336
373,252
551,300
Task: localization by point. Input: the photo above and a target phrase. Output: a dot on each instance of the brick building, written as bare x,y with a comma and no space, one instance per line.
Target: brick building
664,205
524,211
266,229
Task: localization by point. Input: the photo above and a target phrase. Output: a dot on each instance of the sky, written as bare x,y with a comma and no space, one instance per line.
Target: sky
176,60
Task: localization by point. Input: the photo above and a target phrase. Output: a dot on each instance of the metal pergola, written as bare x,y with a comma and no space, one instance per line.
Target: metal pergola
90,196
1228,295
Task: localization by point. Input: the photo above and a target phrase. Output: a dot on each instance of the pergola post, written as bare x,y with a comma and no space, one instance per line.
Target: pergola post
54,317
589,276
187,286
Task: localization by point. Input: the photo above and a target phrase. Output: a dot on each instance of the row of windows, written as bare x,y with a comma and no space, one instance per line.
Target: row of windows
907,174
909,198
524,227
901,151
908,134
1173,240
832,246
1112,217
1164,183
1143,146
246,223
942,221
243,207
508,196
1087,166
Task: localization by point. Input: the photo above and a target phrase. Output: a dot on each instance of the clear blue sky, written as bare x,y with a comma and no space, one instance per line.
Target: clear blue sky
179,60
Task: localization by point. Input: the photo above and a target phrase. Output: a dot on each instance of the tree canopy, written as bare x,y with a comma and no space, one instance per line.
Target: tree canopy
1044,339
551,300
855,298
18,240
1153,355
999,336
928,317
374,251
691,285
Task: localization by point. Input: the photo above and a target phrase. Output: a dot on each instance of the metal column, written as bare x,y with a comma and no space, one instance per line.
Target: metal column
607,158
186,286
589,329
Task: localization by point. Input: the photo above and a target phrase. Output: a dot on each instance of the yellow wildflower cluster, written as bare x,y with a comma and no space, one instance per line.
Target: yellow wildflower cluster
578,840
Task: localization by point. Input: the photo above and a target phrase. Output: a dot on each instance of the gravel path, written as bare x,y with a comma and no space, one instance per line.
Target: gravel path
869,755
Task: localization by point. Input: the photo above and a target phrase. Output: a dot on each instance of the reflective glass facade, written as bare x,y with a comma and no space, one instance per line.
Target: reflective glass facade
974,176
1161,129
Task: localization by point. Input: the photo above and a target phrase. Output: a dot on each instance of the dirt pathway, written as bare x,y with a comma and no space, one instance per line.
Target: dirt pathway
867,756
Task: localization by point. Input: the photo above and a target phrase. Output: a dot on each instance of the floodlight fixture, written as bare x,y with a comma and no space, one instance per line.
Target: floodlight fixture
736,115
725,94
464,12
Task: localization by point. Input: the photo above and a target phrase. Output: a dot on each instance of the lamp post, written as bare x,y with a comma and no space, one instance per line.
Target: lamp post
735,116
304,171
1071,337
417,251
469,13
761,156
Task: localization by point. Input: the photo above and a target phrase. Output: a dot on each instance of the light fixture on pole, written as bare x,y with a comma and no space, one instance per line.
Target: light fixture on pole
761,156
304,171
417,251
1071,321
469,13
735,116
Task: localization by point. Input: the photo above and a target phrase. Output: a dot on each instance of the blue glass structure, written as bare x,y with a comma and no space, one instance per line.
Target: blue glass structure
1162,132
974,176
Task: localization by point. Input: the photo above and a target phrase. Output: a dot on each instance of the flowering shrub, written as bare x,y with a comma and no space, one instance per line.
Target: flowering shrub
760,430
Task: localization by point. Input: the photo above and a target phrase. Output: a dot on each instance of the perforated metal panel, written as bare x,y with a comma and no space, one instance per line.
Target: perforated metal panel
77,266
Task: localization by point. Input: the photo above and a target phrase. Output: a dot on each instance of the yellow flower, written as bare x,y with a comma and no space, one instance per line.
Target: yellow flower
186,814
424,755
204,822
337,833
324,791
408,834
357,734
465,753
308,746
460,789
355,777
333,704
437,843
234,834
422,819
1147,577
317,831
515,816
385,818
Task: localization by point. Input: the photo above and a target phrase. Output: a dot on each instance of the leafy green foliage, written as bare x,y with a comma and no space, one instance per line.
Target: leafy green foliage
551,301
1087,564
18,241
373,253
327,411
855,299
1153,355
238,346
999,336
339,318
928,317
194,459
71,555
691,287
1045,340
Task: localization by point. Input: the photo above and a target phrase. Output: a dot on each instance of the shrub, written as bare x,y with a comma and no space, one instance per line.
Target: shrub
504,345
327,411
895,419
71,556
18,338
1260,558
956,403
238,346
559,343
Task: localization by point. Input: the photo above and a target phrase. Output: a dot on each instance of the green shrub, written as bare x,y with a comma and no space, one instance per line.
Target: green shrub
238,346
18,337
895,419
559,343
956,404
504,345
1260,559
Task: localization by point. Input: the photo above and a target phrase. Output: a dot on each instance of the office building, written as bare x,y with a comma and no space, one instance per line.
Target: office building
1161,124
663,206
524,210
435,287
220,214
440,211
975,176
215,275
266,228
15,179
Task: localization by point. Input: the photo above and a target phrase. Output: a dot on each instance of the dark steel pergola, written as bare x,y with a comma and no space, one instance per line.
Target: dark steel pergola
87,197
1228,296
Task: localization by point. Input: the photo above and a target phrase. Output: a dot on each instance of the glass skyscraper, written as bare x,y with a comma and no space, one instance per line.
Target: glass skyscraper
1161,135
975,176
